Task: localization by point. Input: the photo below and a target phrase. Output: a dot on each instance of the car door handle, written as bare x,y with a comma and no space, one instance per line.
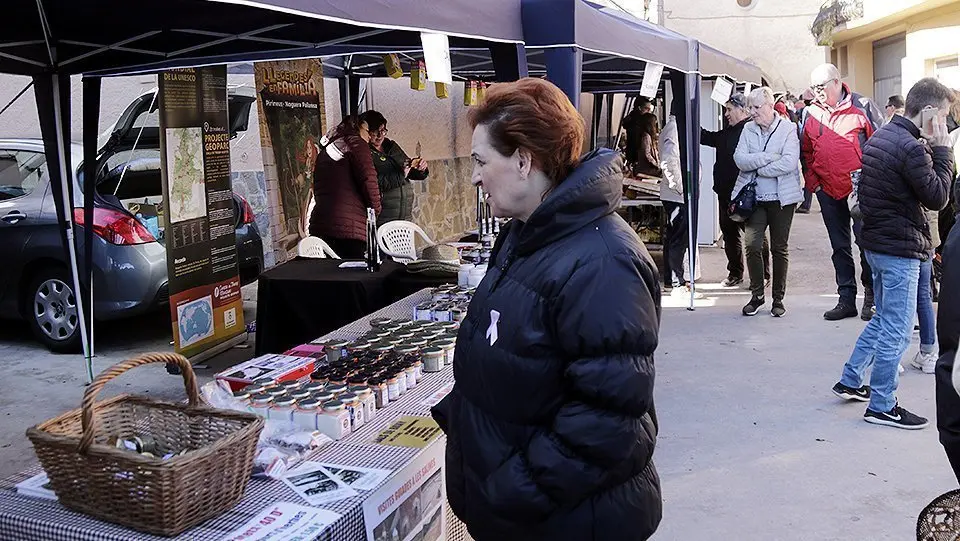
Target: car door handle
14,217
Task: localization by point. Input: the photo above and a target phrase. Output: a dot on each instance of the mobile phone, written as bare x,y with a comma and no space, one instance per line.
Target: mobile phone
928,116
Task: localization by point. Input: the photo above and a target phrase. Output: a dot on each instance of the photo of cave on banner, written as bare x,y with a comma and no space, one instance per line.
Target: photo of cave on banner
206,305
292,120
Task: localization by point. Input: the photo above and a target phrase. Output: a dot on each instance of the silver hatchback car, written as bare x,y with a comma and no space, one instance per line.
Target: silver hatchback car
129,258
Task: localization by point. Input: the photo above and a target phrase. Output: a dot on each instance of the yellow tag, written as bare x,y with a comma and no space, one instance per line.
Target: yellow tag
470,93
481,91
418,77
416,432
392,64
443,90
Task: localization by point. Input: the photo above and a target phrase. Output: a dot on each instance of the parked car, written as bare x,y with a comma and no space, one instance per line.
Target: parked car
129,262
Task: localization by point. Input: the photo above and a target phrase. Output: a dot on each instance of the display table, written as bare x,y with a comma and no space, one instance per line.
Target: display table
31,519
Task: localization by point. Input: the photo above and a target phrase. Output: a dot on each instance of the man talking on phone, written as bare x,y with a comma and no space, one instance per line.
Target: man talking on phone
907,167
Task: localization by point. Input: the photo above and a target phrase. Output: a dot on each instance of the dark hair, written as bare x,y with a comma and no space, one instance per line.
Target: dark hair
927,91
649,124
896,102
642,101
536,116
374,120
350,125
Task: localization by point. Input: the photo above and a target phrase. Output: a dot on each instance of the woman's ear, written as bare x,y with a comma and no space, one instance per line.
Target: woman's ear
524,162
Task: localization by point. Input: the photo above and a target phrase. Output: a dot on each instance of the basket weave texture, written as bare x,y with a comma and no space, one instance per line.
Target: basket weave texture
161,497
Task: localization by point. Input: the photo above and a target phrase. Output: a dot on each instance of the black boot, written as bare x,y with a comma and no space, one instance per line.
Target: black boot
868,309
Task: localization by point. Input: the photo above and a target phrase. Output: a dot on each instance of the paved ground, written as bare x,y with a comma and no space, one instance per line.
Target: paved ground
753,445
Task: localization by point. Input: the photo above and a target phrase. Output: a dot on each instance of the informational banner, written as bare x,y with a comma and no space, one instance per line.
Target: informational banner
410,505
285,521
205,301
290,103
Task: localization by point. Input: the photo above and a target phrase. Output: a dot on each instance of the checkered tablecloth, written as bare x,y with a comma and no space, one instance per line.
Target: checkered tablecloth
30,519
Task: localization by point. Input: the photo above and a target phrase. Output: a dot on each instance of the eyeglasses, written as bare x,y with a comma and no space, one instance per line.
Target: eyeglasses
821,87
383,131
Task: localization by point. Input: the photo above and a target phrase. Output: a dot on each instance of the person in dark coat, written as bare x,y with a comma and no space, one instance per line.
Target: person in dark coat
395,170
344,186
948,333
725,173
904,170
551,426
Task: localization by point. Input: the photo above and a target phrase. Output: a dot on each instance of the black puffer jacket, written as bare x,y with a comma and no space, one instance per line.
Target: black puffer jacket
551,423
901,176
948,334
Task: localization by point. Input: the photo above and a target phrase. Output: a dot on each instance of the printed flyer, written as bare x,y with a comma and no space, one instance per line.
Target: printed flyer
205,301
287,522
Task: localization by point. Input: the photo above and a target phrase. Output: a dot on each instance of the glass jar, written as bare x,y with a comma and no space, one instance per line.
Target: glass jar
433,359
418,366
352,403
282,408
380,392
448,347
411,374
397,372
393,388
260,404
333,406
336,349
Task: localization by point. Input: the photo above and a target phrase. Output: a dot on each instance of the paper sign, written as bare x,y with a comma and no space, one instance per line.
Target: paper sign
416,432
410,505
316,485
651,79
747,89
436,54
358,478
438,396
285,521
722,89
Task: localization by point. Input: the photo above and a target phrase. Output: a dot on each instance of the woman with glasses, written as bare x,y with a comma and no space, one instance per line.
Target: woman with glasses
395,170
768,156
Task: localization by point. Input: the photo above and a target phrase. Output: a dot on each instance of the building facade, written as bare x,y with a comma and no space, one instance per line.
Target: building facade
772,34
882,48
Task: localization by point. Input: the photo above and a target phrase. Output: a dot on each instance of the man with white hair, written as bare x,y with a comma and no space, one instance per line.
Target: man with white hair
835,128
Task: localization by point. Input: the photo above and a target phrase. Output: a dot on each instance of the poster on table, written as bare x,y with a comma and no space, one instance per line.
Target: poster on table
285,521
409,507
291,109
205,301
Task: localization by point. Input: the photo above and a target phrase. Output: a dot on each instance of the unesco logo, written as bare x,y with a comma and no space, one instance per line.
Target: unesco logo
216,292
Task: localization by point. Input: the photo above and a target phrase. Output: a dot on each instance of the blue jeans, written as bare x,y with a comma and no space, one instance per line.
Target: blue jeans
928,320
886,337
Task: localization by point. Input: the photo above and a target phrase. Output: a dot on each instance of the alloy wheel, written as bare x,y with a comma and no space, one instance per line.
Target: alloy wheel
55,309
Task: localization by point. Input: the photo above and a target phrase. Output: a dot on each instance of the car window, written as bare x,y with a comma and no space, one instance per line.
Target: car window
20,173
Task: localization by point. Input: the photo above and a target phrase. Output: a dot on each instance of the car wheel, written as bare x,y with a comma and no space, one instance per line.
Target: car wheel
52,311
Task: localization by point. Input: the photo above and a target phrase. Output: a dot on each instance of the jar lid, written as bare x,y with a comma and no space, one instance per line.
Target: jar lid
407,349
262,398
301,393
359,389
315,386
243,394
348,398
337,343
323,396
383,348
359,379
381,322
433,351
285,400
359,346
418,342
334,405
309,404
337,388
290,384
444,343
276,391
264,382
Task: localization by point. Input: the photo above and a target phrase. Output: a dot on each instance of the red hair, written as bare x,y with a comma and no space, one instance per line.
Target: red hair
536,116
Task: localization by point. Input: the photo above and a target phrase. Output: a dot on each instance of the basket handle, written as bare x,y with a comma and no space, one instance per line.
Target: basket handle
88,422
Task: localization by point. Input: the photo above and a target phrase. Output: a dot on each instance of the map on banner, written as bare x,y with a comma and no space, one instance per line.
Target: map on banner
416,432
285,521
188,192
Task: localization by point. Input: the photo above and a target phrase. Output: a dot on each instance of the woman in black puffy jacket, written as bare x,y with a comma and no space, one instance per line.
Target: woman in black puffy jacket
551,426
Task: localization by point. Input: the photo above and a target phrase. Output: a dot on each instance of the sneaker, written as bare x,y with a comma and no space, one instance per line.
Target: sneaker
778,309
731,282
753,306
849,393
802,210
841,311
927,362
897,417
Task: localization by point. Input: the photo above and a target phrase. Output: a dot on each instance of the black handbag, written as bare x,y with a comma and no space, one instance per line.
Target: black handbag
743,205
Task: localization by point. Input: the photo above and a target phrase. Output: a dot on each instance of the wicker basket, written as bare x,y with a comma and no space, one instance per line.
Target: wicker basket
163,497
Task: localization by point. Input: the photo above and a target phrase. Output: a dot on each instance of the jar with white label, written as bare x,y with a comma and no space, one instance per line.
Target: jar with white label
282,408
401,376
393,387
448,347
380,392
411,376
433,359
352,402
305,415
369,402
260,404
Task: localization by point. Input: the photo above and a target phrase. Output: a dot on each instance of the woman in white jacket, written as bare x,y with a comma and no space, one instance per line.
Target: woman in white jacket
769,155
671,194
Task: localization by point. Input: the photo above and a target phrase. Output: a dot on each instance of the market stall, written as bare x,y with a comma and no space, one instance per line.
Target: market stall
393,466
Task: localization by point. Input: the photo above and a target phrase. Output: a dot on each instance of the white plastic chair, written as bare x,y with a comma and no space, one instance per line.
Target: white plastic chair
397,239
316,248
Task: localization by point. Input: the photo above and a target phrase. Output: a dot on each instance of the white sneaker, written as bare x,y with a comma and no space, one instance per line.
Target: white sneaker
926,362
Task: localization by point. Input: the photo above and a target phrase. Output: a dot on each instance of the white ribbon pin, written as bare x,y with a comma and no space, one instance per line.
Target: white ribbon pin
492,329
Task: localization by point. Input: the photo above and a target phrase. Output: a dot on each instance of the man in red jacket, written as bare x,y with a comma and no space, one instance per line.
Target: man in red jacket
835,128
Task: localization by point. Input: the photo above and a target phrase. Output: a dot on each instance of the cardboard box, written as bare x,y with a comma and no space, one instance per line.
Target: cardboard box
276,368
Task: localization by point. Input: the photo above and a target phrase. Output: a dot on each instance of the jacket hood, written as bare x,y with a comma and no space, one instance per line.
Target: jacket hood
593,190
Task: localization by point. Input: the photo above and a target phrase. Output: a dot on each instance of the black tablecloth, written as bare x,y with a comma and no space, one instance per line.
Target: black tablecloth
304,299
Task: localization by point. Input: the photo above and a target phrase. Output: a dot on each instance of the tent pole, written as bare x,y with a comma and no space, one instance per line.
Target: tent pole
692,193
66,178
91,121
